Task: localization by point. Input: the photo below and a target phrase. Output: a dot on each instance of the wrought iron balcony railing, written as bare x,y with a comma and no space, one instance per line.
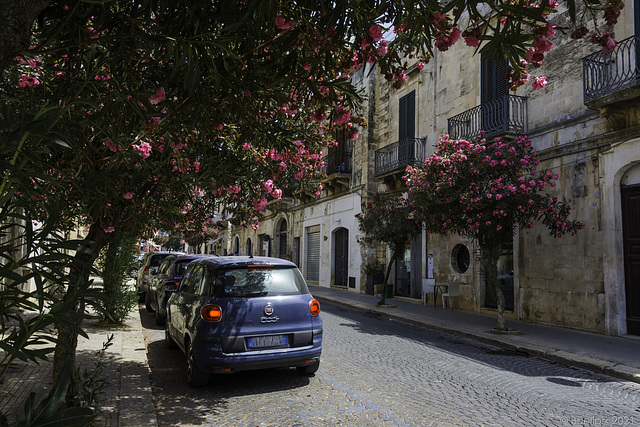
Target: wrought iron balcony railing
504,115
605,73
400,154
337,162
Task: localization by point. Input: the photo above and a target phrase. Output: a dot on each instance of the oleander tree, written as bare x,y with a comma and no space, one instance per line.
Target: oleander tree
388,220
144,114
485,189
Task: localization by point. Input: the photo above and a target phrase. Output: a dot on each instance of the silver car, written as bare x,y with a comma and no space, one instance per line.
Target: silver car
150,263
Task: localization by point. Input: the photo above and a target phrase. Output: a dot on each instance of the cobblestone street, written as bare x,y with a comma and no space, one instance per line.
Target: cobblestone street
376,372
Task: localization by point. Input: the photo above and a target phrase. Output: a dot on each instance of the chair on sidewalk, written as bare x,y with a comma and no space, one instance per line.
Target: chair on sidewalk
453,290
427,288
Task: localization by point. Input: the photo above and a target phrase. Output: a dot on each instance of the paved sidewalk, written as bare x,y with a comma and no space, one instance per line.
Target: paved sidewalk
128,401
615,356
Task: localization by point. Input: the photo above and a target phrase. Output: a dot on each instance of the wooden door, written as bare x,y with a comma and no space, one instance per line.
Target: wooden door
631,236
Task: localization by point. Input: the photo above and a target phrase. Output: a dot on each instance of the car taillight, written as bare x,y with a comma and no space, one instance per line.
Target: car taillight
146,270
314,307
211,313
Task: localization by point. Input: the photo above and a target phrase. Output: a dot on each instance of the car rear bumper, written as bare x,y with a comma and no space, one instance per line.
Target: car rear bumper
210,358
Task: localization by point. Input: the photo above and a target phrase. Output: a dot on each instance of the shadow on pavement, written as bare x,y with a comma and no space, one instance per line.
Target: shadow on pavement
176,402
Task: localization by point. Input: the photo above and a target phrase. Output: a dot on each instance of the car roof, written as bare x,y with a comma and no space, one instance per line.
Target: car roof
164,253
194,256
243,261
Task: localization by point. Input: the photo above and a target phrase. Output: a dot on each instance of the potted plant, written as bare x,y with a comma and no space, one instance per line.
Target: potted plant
374,270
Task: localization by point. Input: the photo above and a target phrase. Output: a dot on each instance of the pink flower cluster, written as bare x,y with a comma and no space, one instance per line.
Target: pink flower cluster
144,148
28,80
486,186
158,97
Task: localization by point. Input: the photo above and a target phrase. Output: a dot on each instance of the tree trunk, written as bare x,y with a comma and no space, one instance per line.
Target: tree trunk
383,300
65,351
502,326
489,256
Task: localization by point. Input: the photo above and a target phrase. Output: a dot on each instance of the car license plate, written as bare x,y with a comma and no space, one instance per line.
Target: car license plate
268,341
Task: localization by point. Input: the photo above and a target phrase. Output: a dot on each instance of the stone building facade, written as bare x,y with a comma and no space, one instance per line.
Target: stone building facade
585,126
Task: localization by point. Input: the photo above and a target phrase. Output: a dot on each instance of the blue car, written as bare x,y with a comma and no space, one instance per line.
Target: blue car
243,313
165,283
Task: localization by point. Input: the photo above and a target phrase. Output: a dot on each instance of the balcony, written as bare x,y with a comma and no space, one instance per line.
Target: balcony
336,171
392,160
337,162
506,115
612,82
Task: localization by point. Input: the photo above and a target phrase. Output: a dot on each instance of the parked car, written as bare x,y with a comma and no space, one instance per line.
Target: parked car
164,283
244,313
150,263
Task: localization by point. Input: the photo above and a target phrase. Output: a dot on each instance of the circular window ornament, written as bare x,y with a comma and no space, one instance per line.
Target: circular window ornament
460,258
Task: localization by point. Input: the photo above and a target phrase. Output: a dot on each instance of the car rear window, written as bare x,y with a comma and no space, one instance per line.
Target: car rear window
181,267
259,281
156,260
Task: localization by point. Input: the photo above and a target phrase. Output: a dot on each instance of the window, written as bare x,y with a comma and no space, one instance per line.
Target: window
181,266
165,267
407,117
493,75
460,258
252,282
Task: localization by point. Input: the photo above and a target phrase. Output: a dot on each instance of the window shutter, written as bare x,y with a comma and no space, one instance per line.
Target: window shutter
407,117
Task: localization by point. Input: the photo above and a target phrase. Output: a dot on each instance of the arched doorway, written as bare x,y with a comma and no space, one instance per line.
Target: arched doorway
631,242
282,239
249,248
236,246
341,257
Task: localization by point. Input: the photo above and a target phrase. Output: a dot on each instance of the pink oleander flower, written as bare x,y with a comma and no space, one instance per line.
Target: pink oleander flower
128,195
539,82
420,65
112,146
607,43
260,204
472,41
299,175
197,166
267,186
27,80
277,193
283,166
246,146
158,97
542,44
306,67
110,229
144,148
284,23
382,50
375,31
455,35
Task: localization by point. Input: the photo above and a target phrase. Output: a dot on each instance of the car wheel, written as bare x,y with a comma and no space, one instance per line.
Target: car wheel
147,301
168,341
160,318
308,369
141,296
195,376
